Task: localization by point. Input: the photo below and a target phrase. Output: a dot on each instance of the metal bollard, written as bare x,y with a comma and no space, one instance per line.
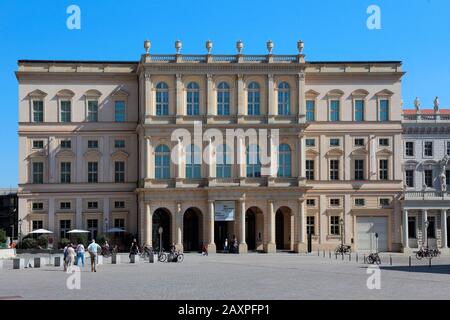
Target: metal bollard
410,261
324,253
357,257
343,257
37,262
350,257
329,253
318,252
429,263
336,255
364,259
390,260
57,262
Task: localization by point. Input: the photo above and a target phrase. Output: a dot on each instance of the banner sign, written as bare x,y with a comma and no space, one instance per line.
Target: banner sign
224,210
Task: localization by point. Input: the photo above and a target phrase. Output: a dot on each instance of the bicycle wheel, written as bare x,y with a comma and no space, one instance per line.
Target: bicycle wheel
162,257
369,259
180,257
419,256
378,260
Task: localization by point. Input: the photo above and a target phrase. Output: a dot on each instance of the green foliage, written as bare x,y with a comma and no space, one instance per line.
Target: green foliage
42,241
63,242
81,238
101,239
28,243
2,236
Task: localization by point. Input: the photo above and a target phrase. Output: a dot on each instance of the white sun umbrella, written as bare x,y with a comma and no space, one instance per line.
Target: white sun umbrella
114,230
41,231
78,231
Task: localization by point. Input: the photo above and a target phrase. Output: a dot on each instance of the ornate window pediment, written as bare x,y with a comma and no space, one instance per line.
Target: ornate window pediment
384,93
120,154
65,93
312,93
120,93
37,94
360,93
335,93
411,164
311,152
37,154
384,152
93,154
65,154
335,152
93,93
360,152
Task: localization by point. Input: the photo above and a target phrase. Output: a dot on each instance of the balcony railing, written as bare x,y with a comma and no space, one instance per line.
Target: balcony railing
426,117
198,58
427,195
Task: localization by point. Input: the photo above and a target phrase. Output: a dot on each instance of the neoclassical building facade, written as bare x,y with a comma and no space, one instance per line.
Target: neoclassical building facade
332,166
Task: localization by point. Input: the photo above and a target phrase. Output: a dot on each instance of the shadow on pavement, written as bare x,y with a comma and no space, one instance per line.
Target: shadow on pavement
438,269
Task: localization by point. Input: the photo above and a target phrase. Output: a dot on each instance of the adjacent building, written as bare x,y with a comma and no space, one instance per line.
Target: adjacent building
107,144
426,167
9,221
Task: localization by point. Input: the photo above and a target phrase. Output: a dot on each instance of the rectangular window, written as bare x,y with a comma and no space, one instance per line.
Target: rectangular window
335,202
119,204
310,142
93,144
119,172
409,148
66,112
384,110
447,180
431,231
119,111
335,142
384,202
38,206
119,223
92,227
38,111
66,144
92,172
310,225
359,169
119,144
360,202
359,110
383,142
409,177
310,110
428,178
93,111
38,172
64,227
38,224
359,142
428,148
65,172
65,205
334,226
448,148
412,229
334,169
310,170
311,202
384,169
38,144
334,110
92,205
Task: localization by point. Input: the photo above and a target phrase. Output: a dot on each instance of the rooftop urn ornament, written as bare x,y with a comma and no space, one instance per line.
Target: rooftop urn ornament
417,104
239,46
178,46
269,46
209,46
147,46
300,46
436,104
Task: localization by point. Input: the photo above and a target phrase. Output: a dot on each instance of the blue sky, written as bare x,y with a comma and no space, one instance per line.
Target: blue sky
414,31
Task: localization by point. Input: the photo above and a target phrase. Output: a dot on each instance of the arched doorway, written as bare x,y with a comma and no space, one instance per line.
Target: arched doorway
253,228
283,229
161,218
191,229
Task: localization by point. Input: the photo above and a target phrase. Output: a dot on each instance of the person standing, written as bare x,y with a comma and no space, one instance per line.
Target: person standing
80,255
134,250
225,246
65,257
70,255
93,250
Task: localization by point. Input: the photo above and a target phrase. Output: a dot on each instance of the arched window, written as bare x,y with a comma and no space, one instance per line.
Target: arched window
223,99
193,162
284,99
193,99
162,99
253,161
162,162
223,161
253,100
284,161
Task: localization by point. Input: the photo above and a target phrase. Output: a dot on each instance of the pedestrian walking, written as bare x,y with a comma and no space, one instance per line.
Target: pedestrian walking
225,246
134,249
70,255
65,257
204,250
80,255
93,250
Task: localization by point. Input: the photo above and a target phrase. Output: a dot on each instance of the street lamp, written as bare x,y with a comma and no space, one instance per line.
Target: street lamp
427,223
160,230
20,230
341,223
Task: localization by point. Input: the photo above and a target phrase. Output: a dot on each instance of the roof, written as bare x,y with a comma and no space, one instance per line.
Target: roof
425,111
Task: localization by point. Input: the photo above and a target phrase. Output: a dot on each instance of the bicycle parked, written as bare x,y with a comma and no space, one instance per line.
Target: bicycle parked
373,258
343,249
175,256
425,252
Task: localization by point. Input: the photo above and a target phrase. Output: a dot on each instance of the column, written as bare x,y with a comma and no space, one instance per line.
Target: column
300,228
243,248
148,103
444,228
180,166
51,216
106,210
271,95
79,159
107,176
241,158
301,94
301,157
405,230
179,227
179,95
424,230
270,246
242,110
147,152
211,244
211,161
52,161
210,104
148,225
79,213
